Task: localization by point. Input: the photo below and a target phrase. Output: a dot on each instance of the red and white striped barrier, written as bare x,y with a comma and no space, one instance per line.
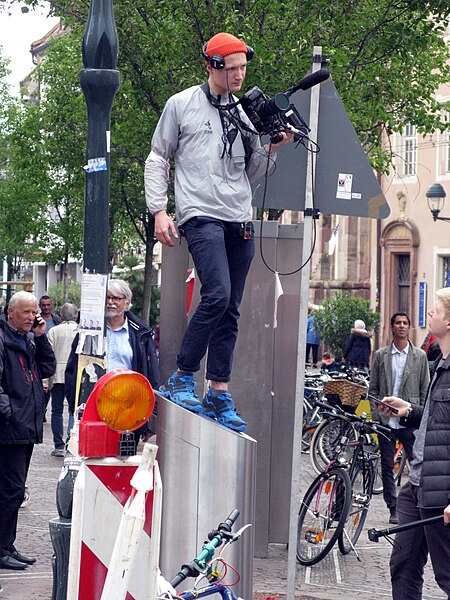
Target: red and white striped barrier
116,523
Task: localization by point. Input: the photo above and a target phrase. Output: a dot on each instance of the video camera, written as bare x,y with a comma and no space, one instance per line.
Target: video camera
270,116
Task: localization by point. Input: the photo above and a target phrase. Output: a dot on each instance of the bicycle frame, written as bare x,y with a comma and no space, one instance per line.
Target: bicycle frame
213,588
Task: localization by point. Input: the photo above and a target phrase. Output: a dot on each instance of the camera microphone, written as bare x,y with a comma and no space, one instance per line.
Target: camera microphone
309,81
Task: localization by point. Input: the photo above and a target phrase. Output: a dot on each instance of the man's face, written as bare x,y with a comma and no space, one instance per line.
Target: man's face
46,307
22,316
231,78
116,305
438,323
400,328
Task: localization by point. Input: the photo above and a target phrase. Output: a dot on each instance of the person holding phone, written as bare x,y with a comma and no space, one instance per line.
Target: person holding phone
24,362
427,491
399,369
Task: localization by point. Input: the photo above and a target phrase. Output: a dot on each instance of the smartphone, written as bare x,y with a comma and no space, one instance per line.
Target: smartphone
36,323
391,408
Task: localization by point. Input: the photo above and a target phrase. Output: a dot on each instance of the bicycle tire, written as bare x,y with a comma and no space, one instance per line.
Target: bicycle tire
400,465
311,420
322,515
377,487
325,439
362,482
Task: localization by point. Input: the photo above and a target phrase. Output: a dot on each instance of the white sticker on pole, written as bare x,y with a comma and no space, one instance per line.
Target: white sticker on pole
344,186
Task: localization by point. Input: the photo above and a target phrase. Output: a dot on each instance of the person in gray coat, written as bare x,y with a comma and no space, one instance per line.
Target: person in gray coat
399,369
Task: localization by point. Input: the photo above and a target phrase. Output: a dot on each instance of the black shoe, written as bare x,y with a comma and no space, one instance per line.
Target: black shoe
393,519
8,562
22,559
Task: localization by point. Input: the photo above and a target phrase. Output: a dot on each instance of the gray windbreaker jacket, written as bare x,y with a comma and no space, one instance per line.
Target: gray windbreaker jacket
207,182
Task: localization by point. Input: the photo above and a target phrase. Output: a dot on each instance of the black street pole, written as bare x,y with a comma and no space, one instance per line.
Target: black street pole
99,81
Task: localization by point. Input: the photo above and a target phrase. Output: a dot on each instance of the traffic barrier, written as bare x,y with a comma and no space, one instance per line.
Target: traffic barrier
102,489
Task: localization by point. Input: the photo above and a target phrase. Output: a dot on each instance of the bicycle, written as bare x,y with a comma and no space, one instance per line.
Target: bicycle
344,391
336,504
202,566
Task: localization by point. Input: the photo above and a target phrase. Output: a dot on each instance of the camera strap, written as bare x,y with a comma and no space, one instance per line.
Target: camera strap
232,116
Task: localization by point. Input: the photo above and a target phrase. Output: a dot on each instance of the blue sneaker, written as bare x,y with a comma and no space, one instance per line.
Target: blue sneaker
222,409
180,389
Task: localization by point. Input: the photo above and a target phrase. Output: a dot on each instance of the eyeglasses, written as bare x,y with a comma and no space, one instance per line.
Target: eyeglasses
114,299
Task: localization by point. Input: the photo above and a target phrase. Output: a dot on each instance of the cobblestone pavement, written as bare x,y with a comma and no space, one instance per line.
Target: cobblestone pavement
335,578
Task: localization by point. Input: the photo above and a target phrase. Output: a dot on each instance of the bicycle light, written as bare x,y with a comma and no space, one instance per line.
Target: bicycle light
121,401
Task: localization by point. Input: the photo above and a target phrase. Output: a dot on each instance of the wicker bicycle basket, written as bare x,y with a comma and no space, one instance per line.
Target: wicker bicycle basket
349,392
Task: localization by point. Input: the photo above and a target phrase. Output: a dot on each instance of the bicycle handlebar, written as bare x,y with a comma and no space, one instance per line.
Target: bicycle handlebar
373,426
215,539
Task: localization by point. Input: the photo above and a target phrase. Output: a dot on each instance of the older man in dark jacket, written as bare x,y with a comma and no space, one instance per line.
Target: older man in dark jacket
23,365
427,492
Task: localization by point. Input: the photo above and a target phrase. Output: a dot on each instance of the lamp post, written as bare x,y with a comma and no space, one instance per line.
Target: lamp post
436,198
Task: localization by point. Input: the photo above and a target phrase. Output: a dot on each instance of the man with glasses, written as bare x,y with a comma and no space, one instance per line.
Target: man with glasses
216,158
129,341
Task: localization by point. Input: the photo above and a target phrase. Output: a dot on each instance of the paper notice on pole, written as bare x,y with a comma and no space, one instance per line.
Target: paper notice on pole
92,314
344,186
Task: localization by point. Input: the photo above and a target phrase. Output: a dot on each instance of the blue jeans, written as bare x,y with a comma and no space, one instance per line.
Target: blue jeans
222,258
57,416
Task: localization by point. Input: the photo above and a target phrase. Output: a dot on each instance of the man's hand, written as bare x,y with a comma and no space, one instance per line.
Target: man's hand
401,405
39,329
286,139
447,515
164,228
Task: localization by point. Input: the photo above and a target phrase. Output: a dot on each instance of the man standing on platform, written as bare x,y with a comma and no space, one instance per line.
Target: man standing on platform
216,159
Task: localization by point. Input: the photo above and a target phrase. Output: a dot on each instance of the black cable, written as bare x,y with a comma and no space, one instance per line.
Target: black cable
313,245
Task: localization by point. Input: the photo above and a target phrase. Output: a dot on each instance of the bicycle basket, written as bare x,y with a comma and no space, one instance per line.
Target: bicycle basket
349,393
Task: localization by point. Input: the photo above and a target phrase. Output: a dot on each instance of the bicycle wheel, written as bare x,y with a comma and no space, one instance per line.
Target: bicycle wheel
326,438
400,465
361,495
377,487
322,515
311,420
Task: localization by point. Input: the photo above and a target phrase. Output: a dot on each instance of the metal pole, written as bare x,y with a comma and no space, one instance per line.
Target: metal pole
99,81
301,349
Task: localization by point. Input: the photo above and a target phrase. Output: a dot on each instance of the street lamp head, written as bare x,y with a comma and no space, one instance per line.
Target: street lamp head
436,198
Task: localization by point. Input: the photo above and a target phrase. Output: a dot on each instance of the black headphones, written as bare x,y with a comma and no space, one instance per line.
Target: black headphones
218,62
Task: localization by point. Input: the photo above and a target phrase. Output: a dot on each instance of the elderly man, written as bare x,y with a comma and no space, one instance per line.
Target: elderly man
61,338
23,365
129,341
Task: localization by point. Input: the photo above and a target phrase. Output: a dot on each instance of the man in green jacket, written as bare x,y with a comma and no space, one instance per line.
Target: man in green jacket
399,369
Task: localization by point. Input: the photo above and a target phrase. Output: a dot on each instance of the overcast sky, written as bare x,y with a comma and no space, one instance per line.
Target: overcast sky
18,32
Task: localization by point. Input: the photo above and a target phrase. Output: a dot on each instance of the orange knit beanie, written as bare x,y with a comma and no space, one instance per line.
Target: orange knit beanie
224,44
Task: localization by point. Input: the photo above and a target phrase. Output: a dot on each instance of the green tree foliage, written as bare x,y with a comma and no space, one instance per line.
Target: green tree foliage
387,58
57,294
336,316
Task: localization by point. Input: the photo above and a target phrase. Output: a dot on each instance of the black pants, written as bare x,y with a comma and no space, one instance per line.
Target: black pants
411,548
315,352
14,463
222,258
387,451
